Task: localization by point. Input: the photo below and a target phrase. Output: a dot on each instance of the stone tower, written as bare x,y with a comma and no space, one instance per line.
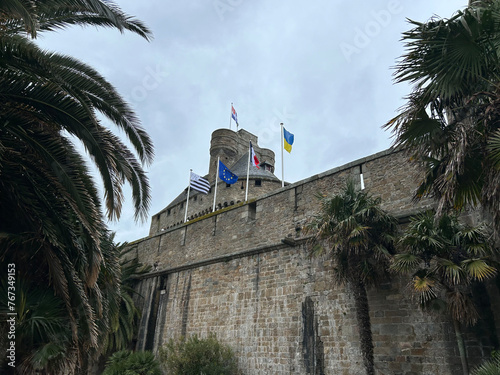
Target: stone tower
231,146
233,150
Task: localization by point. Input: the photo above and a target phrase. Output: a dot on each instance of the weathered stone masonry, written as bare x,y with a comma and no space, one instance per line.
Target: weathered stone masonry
244,273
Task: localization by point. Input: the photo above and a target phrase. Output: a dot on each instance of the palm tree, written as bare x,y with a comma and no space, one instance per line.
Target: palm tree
42,330
46,326
444,258
62,96
120,317
451,120
491,367
358,235
125,317
51,218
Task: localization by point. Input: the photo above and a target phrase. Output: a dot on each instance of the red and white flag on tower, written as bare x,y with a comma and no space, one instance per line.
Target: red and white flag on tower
233,114
251,160
253,157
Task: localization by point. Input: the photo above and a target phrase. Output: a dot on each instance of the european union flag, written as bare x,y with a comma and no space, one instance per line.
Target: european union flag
226,175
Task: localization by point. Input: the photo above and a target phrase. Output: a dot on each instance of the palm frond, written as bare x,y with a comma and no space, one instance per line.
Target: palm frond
52,15
452,272
50,210
358,232
425,288
494,148
479,269
450,119
405,262
491,367
462,307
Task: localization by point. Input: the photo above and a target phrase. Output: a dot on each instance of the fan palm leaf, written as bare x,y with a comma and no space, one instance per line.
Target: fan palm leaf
451,115
491,367
448,250
426,288
478,269
442,254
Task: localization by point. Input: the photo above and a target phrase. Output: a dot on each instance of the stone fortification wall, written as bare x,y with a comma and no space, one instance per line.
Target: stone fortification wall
202,204
282,314
281,213
244,273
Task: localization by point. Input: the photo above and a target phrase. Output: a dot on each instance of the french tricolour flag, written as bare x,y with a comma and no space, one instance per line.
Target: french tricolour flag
253,157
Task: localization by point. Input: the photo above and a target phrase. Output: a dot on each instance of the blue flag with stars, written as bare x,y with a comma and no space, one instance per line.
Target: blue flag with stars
226,175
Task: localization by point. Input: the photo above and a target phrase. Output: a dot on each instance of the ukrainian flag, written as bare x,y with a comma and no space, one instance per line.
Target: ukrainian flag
288,142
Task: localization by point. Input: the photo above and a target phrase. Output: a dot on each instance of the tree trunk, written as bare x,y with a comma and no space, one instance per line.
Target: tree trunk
461,347
363,319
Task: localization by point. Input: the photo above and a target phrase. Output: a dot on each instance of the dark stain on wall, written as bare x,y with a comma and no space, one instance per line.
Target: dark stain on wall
312,346
155,301
185,306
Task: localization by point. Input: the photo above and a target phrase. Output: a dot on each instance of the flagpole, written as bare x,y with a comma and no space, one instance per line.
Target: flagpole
248,171
187,199
216,177
282,163
230,117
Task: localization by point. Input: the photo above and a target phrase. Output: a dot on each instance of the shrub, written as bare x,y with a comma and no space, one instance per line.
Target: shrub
492,367
126,362
194,356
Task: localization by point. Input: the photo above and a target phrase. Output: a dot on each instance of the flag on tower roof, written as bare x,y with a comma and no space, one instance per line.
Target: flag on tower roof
234,115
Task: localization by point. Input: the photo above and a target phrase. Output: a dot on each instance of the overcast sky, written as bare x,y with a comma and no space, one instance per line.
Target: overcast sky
323,68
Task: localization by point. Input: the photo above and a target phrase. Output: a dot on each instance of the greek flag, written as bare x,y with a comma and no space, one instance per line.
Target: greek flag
199,183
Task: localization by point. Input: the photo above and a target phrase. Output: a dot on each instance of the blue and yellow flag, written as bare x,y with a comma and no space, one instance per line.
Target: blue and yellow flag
226,175
288,140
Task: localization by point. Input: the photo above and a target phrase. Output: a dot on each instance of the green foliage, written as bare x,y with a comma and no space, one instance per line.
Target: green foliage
52,223
124,314
360,237
451,120
196,356
126,362
42,328
444,257
358,232
491,367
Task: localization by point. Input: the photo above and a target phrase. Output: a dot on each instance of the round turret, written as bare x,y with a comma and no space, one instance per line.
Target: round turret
267,156
224,144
